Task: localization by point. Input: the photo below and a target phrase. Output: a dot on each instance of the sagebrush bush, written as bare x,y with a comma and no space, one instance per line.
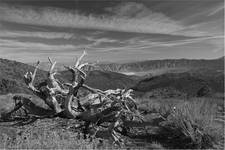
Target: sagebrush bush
193,123
190,123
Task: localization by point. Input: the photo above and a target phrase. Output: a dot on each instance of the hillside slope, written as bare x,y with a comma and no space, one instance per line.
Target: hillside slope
11,76
189,82
105,79
12,72
193,83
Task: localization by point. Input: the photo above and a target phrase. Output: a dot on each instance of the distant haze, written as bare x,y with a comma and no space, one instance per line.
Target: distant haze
111,31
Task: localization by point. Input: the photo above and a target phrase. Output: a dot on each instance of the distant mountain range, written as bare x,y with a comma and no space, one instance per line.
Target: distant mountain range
148,65
176,77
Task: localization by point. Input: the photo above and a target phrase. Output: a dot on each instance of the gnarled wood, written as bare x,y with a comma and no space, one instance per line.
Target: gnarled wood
114,107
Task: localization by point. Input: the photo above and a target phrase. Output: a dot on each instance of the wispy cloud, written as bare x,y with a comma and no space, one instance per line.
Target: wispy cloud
149,22
188,41
217,9
14,46
136,44
99,41
44,35
127,30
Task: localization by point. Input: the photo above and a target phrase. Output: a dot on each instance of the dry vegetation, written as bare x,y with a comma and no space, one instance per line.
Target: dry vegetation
107,119
193,124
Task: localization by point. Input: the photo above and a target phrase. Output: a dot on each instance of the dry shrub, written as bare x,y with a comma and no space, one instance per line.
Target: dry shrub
42,138
192,125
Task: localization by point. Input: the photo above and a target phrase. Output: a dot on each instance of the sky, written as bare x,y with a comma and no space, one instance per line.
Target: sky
111,30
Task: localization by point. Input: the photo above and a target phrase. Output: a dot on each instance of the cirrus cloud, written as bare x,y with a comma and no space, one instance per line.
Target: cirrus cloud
152,23
45,35
128,30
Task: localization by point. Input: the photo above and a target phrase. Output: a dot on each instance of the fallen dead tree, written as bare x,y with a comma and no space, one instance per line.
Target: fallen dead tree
113,110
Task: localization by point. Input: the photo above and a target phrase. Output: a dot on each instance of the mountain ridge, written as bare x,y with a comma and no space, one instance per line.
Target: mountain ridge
140,66
206,78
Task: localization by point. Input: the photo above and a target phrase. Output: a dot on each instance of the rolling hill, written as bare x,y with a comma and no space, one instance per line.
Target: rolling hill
11,76
152,65
203,77
12,72
105,79
191,84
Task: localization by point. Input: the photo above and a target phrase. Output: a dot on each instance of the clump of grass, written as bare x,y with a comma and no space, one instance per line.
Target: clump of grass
192,125
46,135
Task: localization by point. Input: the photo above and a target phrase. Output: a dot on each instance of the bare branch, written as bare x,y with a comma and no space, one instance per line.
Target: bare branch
82,65
82,73
35,70
50,60
93,90
52,83
86,64
74,75
52,66
29,78
79,59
